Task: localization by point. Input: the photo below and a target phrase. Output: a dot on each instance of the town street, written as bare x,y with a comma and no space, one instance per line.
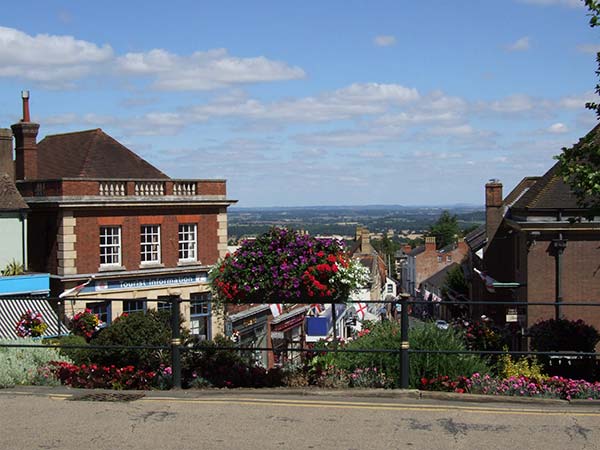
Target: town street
50,419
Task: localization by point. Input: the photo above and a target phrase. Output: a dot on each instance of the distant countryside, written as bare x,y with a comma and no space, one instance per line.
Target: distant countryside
401,223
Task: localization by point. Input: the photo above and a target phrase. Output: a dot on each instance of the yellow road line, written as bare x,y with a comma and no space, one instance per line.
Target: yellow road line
372,406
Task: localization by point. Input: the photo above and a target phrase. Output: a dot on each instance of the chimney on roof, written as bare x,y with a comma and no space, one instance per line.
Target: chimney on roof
25,132
430,243
7,164
493,207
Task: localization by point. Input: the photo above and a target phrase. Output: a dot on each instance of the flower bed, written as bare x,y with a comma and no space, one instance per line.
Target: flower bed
104,377
520,386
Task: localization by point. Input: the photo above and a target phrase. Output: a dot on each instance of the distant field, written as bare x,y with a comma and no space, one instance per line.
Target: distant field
343,220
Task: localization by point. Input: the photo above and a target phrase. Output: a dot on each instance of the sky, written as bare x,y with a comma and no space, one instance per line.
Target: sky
337,102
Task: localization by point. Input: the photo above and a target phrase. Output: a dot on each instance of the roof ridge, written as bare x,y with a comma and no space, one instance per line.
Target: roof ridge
75,132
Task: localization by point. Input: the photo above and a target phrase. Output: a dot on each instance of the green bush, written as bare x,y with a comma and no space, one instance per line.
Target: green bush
380,335
219,364
77,355
431,365
27,365
150,328
563,335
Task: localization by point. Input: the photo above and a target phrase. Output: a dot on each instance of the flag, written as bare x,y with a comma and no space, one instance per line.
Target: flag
276,309
361,310
316,309
489,281
75,290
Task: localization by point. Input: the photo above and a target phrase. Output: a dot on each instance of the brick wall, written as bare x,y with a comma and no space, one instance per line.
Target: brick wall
428,263
580,278
88,225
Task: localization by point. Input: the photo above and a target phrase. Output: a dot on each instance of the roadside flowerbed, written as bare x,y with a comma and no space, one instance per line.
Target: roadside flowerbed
104,377
519,386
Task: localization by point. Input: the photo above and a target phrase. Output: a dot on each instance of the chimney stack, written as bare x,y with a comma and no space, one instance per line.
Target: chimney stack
7,164
25,132
493,207
430,243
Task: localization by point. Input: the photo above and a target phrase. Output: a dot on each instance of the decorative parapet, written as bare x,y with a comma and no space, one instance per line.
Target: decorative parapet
113,188
149,188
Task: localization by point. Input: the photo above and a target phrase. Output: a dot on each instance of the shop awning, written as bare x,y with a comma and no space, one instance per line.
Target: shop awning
11,310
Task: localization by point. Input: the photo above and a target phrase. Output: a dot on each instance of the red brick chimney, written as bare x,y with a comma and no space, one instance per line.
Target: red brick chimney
26,165
430,243
494,208
7,164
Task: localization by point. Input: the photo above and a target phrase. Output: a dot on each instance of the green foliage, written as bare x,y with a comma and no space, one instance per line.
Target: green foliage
150,328
219,364
445,230
387,248
13,268
580,164
77,355
563,335
386,335
455,282
423,365
27,365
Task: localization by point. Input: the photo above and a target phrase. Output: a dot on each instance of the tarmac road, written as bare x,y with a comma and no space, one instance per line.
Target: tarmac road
52,418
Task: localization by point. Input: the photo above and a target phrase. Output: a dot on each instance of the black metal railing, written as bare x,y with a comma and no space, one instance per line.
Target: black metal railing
176,346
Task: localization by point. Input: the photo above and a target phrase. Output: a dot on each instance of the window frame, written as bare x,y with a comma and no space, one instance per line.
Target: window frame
203,300
106,245
187,242
146,250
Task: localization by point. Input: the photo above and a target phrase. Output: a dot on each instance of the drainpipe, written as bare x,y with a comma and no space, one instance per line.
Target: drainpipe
559,247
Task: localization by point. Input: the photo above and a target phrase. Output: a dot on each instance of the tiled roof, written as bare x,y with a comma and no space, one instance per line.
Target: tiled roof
90,154
10,199
438,279
548,192
417,251
476,238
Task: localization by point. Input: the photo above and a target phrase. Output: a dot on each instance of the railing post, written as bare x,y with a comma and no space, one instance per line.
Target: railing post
175,341
404,346
59,313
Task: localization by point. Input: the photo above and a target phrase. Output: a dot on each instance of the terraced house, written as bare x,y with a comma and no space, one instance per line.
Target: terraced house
99,214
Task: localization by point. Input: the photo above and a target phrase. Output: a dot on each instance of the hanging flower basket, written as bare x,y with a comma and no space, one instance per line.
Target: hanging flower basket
285,266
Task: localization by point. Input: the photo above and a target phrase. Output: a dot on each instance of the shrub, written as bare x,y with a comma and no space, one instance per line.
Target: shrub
381,335
426,365
138,329
31,323
479,335
563,335
77,355
523,367
219,364
27,365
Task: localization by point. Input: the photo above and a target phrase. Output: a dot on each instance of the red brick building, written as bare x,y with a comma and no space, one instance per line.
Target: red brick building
538,238
99,210
426,260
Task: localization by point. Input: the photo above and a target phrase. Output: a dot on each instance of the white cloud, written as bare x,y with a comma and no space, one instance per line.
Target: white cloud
372,155
204,70
519,45
384,40
356,100
512,104
557,128
48,58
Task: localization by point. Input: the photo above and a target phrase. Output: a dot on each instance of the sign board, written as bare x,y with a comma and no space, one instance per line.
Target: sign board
276,334
511,318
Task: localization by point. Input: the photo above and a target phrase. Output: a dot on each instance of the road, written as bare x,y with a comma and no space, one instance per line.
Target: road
51,419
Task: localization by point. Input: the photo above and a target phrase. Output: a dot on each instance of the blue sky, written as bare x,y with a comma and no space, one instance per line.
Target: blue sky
316,102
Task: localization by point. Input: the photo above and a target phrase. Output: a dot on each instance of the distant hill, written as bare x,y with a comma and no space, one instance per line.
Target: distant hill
342,220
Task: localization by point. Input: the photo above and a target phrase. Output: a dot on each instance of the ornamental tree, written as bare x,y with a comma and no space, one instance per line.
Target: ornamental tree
285,266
